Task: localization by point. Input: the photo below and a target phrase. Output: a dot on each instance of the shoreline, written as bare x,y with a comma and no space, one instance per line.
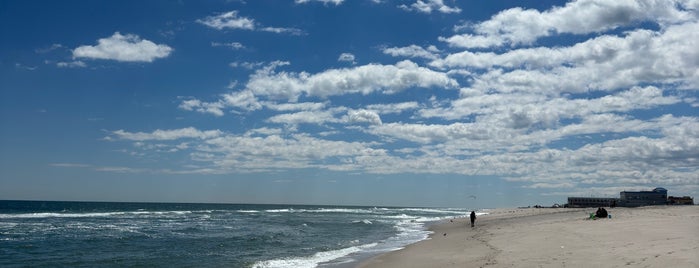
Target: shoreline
556,237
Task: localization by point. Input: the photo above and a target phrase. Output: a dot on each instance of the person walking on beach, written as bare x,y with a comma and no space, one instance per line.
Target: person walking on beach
473,218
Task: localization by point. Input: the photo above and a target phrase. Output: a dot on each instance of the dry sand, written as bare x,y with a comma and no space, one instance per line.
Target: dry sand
661,236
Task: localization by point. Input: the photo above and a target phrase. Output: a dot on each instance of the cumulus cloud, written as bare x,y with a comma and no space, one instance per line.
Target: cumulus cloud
363,116
364,79
667,58
428,6
244,99
524,26
120,47
413,51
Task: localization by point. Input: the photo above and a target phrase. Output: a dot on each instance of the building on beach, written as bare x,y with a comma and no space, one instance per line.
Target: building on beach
684,200
589,202
657,196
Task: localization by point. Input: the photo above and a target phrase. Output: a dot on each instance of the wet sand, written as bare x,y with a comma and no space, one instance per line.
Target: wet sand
660,236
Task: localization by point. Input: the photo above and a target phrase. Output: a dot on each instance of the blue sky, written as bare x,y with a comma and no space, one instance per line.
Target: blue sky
366,102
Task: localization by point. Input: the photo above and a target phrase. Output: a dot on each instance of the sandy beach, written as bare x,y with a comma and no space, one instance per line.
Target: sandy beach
660,236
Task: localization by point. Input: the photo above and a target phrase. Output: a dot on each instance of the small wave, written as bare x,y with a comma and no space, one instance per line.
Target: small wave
95,214
342,210
363,222
322,210
435,210
57,215
400,217
279,210
248,211
312,261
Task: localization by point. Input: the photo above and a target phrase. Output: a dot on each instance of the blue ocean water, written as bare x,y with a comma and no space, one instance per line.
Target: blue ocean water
90,234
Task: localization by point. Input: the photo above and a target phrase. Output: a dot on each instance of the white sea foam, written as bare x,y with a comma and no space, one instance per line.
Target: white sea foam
341,210
248,211
57,215
279,210
321,210
312,261
400,217
435,210
96,214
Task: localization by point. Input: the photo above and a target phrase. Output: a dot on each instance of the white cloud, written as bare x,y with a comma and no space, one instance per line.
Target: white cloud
244,99
665,160
304,106
540,108
304,117
667,58
158,134
364,79
228,20
632,160
413,51
291,31
215,108
428,6
325,2
363,116
231,45
268,85
71,64
231,20
247,65
123,48
524,26
347,57
244,153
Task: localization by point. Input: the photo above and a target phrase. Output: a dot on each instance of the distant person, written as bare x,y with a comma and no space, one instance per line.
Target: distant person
601,213
473,218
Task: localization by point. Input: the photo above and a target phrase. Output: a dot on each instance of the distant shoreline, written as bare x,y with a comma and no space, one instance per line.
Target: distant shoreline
557,237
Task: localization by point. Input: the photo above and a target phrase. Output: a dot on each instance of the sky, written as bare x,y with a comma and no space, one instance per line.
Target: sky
474,104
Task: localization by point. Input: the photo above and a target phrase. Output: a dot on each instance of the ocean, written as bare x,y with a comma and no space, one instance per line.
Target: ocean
99,234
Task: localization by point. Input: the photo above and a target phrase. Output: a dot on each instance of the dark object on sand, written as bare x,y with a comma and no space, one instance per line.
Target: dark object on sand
601,213
473,218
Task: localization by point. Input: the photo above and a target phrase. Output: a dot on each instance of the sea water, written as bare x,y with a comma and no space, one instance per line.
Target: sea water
92,234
